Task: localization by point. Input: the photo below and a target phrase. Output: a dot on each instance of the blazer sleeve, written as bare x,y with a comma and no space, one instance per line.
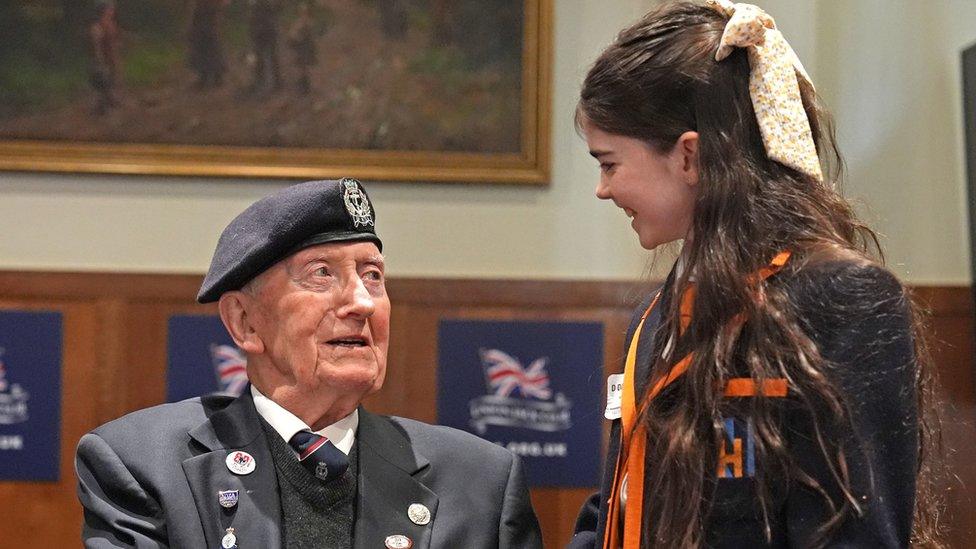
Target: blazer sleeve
118,511
591,521
859,318
519,526
586,524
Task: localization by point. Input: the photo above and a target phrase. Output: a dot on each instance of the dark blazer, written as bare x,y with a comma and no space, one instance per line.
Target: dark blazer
858,317
592,520
150,479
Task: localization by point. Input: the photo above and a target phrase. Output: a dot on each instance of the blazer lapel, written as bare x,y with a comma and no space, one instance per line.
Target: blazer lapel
256,518
646,348
389,471
650,338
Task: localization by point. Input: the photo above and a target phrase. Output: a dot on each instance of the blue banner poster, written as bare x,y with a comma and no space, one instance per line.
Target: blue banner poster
30,395
532,387
202,358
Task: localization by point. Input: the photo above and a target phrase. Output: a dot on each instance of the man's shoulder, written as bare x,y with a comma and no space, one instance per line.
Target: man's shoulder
162,422
439,440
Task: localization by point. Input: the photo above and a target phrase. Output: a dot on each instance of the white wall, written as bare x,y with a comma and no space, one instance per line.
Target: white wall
902,138
890,72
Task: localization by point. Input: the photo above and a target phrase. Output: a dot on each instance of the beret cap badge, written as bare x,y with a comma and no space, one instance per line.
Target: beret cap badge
356,203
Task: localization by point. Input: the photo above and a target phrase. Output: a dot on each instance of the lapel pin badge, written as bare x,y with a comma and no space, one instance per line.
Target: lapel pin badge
228,498
240,462
419,513
398,541
229,541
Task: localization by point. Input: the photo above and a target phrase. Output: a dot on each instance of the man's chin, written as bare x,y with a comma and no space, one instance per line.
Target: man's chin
353,379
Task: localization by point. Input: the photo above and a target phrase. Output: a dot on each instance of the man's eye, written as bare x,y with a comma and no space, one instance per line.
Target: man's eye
373,275
321,271
606,166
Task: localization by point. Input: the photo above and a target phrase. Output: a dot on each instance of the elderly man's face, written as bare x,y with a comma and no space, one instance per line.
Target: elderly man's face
323,318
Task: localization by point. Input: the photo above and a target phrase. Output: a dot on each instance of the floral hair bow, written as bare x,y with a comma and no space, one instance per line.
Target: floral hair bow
773,84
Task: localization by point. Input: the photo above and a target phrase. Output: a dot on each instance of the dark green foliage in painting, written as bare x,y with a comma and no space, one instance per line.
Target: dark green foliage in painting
46,49
388,74
481,32
33,38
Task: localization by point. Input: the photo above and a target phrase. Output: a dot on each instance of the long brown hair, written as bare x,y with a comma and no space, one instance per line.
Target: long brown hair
658,80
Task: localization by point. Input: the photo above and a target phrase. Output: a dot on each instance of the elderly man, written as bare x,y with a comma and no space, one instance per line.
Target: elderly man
295,461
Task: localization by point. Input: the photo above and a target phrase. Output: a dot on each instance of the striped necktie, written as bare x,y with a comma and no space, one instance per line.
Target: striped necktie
319,456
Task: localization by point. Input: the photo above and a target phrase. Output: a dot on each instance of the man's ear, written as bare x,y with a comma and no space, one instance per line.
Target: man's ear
686,151
234,308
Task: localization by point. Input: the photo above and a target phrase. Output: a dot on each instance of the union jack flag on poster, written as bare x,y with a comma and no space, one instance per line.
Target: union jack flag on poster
230,366
531,386
30,364
504,374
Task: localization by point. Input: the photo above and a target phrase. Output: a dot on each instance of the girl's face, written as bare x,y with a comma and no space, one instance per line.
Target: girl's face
656,190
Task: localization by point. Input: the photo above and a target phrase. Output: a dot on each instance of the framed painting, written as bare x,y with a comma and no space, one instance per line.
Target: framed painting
969,126
402,90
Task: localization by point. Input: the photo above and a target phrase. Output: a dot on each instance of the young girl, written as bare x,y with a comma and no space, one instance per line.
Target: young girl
774,387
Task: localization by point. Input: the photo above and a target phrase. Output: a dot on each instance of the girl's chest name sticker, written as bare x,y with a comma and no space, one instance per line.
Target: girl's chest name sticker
615,391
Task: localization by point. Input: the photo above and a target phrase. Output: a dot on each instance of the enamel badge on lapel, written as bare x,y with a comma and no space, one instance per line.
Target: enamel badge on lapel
240,463
419,514
229,541
398,541
227,498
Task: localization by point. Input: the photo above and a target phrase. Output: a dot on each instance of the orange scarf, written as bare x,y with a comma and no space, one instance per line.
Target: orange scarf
633,435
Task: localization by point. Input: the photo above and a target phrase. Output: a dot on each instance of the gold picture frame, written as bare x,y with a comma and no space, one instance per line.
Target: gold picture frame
528,165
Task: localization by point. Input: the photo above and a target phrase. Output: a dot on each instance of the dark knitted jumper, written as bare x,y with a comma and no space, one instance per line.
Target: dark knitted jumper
316,514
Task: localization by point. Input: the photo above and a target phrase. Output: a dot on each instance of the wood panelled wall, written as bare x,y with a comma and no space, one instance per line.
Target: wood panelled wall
115,360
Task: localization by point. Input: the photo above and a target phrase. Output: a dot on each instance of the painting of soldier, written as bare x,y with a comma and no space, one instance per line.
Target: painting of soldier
301,41
104,35
206,52
374,75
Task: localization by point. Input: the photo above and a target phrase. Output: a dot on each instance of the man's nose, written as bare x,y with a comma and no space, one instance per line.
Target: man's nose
357,301
602,190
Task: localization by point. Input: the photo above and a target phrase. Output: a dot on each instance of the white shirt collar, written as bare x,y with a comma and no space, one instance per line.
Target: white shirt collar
342,433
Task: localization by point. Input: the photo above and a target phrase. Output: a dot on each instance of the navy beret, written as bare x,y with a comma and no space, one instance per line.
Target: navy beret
283,223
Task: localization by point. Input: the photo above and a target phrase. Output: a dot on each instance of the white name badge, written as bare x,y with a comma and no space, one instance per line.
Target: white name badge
615,391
